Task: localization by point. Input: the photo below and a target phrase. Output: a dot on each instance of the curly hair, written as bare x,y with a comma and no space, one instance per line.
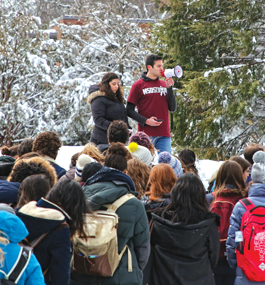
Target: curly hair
139,172
118,132
11,151
91,150
104,87
35,165
161,180
25,147
47,144
32,188
116,156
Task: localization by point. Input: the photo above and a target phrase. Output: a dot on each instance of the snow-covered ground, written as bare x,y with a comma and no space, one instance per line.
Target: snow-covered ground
206,167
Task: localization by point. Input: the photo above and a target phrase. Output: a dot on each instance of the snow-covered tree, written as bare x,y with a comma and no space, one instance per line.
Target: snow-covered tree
220,45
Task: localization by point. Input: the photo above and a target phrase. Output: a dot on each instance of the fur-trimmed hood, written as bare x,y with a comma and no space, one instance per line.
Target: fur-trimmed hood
94,95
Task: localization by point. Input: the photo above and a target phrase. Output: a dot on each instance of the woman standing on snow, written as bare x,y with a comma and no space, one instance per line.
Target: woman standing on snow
107,104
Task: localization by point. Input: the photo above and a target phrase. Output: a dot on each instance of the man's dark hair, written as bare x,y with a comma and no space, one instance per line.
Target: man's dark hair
251,150
118,132
151,59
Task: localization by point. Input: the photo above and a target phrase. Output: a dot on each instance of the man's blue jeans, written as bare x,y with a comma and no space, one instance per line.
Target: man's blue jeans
161,143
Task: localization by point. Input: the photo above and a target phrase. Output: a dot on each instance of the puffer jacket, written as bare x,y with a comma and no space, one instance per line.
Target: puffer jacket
105,187
184,254
53,251
104,111
12,227
257,196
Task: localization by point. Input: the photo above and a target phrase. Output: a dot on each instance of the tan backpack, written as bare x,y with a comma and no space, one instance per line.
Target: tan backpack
98,254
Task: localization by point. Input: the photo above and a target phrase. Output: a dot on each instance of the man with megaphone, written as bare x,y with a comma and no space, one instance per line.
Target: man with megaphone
153,98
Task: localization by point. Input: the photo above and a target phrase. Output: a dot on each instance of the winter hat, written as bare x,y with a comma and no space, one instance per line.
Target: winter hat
141,138
5,207
166,157
141,153
82,160
258,168
90,169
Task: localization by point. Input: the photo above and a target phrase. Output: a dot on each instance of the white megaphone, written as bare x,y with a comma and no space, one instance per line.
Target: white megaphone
176,71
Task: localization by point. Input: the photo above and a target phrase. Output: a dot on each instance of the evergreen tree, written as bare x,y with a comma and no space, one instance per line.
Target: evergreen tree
219,44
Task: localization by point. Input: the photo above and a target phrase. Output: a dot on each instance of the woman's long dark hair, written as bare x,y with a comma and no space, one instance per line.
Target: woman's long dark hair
104,86
188,201
69,195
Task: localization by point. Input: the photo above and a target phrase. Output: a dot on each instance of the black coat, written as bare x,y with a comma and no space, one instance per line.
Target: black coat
104,111
184,254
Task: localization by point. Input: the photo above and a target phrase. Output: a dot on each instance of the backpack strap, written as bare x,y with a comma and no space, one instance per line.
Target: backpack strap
119,202
19,266
246,202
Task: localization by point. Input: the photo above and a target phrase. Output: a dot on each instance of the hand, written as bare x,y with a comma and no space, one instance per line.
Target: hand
169,82
152,122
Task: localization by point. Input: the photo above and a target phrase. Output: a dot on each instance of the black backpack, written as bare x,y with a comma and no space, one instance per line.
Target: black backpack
13,276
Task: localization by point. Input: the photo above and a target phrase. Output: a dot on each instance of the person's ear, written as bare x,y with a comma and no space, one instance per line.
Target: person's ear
149,67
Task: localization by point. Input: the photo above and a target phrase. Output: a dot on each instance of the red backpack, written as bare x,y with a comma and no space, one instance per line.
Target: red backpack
250,254
223,206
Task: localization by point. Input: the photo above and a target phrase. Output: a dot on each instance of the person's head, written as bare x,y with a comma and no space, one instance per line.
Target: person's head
251,150
166,157
82,160
91,150
35,165
10,151
47,144
258,168
189,159
110,85
74,159
69,196
188,200
244,165
89,170
161,180
141,138
118,132
141,153
32,188
116,156
230,173
139,172
25,147
154,65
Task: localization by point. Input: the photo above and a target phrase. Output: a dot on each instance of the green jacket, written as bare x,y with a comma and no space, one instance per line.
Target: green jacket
133,230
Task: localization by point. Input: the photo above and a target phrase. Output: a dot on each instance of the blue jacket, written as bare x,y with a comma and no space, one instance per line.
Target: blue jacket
15,230
53,251
8,192
257,196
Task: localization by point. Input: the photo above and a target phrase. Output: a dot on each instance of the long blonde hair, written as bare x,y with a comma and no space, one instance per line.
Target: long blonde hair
91,150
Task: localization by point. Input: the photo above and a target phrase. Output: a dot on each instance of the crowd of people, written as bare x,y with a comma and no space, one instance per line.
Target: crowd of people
173,231
128,211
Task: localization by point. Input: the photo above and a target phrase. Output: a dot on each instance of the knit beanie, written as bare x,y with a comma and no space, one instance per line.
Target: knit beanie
82,160
141,138
141,153
258,168
166,157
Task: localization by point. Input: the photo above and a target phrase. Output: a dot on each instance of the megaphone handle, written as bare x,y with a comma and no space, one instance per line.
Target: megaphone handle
171,121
